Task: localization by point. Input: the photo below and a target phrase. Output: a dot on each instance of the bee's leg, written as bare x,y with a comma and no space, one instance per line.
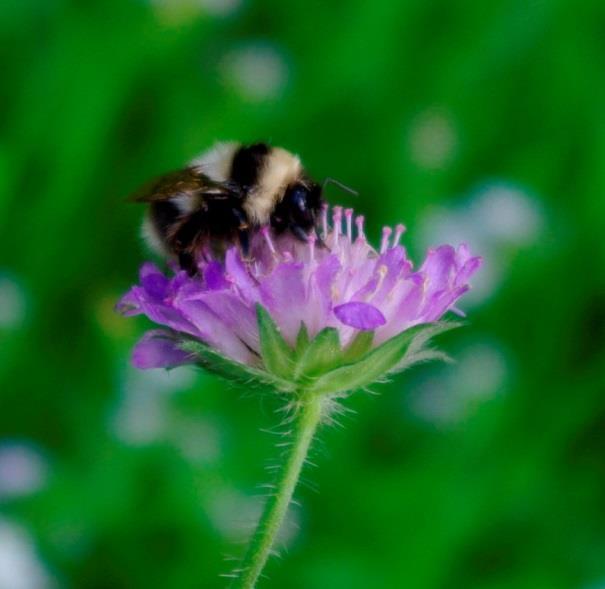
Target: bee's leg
243,230
182,241
244,241
319,241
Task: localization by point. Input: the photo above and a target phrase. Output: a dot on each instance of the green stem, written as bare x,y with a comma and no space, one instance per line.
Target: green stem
306,421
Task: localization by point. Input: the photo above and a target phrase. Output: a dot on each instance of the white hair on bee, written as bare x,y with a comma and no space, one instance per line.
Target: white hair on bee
279,169
151,237
216,161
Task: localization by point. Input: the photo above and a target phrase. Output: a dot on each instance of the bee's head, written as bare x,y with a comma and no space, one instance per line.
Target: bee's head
298,209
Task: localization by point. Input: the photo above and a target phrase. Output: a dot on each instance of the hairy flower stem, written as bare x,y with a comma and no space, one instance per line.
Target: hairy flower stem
306,420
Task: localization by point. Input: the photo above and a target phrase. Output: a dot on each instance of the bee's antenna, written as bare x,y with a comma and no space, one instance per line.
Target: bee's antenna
340,185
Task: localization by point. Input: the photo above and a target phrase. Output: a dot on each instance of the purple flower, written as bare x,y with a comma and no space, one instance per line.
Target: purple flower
342,283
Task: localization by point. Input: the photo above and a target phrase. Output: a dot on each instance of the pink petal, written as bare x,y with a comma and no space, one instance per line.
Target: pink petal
156,349
360,316
214,277
213,330
284,295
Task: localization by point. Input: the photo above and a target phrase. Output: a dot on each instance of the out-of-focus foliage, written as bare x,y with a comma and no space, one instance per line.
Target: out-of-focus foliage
469,120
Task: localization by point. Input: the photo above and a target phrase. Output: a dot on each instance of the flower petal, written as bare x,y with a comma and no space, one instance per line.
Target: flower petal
438,267
360,315
235,313
283,293
214,276
238,273
468,269
153,281
318,311
128,305
157,349
214,331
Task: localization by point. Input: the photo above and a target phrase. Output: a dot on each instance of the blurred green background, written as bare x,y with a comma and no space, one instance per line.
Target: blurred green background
477,121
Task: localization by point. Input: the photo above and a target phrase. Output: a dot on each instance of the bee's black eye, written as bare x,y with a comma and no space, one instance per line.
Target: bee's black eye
298,197
298,208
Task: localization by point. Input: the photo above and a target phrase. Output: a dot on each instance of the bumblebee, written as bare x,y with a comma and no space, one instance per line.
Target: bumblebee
223,196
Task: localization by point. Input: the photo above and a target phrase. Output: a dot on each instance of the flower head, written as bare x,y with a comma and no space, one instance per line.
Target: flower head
295,312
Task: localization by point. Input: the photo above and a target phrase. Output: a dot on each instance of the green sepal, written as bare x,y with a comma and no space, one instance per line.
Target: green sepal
232,370
302,340
394,355
320,355
361,345
277,355
320,366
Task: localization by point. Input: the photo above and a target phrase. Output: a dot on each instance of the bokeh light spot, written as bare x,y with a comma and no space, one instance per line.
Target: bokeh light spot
23,470
257,71
432,140
20,567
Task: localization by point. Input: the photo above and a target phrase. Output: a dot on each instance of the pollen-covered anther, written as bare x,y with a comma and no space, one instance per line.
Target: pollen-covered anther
384,244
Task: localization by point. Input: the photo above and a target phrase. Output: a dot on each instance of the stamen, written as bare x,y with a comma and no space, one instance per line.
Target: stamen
384,244
399,231
287,256
336,223
349,218
382,272
359,221
311,241
267,236
324,220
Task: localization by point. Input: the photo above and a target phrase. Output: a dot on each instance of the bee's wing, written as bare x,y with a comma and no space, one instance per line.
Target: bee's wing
188,182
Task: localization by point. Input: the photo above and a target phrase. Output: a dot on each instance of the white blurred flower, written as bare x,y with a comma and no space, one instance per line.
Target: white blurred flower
20,567
449,394
258,71
496,219
199,439
23,470
235,515
507,214
144,415
141,416
432,140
